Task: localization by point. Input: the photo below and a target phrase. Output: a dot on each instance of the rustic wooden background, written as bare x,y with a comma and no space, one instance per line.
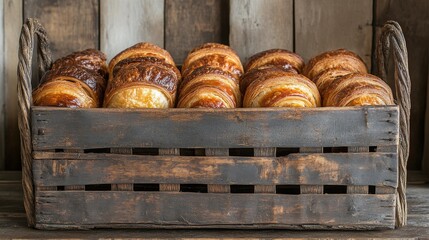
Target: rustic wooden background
307,27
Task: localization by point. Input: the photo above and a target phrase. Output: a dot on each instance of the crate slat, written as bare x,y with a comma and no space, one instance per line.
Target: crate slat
378,169
193,209
208,128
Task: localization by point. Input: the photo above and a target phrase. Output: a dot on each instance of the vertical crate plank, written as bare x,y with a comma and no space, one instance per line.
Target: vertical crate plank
169,187
322,25
264,152
2,87
72,25
189,23
127,22
74,187
12,28
413,16
258,25
357,189
425,164
122,186
217,188
311,189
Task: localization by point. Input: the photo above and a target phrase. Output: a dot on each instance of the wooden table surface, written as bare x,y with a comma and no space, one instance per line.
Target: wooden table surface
13,222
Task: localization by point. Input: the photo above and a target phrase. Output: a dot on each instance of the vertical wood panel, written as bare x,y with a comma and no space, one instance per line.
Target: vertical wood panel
257,25
2,87
12,27
72,25
322,25
413,16
189,23
127,22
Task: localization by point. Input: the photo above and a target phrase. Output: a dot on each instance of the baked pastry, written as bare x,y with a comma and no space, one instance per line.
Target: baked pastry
140,50
70,86
273,87
276,57
142,76
324,80
76,81
357,89
255,73
209,87
340,58
214,55
142,83
89,59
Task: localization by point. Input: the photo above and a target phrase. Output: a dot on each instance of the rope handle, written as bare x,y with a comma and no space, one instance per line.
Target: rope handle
392,40
30,30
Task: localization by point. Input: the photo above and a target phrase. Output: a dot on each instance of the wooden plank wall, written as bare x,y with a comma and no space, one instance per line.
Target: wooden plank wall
305,26
2,83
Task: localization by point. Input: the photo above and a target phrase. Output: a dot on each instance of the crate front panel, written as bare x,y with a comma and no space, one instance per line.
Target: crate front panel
359,169
57,128
136,209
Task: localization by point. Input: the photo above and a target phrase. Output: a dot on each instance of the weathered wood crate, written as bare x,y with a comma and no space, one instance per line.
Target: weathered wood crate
322,168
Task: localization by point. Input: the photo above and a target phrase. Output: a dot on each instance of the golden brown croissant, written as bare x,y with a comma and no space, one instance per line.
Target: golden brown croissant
357,89
140,50
340,58
70,86
142,83
276,57
89,59
214,55
276,88
324,80
209,87
255,73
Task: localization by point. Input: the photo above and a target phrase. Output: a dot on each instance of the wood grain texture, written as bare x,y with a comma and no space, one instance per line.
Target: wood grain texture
72,25
231,128
413,16
12,27
258,25
127,22
322,25
379,169
121,186
89,209
311,189
189,23
168,187
2,90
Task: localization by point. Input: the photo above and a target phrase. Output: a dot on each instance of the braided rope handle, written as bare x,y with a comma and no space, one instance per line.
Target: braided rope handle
31,29
392,40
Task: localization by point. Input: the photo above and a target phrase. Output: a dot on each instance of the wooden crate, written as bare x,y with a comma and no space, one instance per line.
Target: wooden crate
287,168
327,168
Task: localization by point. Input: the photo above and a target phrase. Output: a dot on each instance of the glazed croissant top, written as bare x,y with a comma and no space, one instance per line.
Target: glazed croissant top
141,50
214,55
209,87
149,73
70,86
341,58
256,73
276,57
89,59
277,88
357,89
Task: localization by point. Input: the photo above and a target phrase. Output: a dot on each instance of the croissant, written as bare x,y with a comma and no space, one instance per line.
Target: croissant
276,57
70,86
357,89
255,73
277,88
340,58
89,59
141,50
214,55
209,87
324,80
142,83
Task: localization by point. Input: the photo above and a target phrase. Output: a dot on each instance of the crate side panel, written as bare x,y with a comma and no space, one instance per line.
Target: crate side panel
58,169
54,128
193,209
